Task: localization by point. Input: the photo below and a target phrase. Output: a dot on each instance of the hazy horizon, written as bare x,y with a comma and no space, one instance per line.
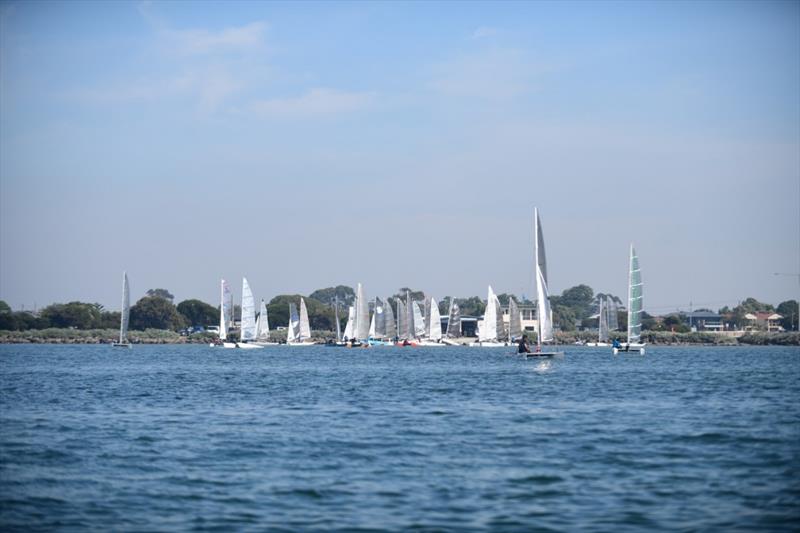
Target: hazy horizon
307,145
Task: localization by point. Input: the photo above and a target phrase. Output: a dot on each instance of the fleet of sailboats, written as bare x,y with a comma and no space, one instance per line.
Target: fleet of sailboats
419,323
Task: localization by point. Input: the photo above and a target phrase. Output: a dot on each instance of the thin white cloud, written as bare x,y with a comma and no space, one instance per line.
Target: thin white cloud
318,101
202,41
496,74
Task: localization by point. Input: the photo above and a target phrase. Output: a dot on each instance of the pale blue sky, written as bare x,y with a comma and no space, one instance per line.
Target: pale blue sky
399,144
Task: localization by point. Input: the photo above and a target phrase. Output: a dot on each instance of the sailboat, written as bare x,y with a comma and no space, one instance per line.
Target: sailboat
299,331
125,310
453,324
635,301
433,334
361,332
262,327
225,315
602,324
382,328
543,312
492,327
247,331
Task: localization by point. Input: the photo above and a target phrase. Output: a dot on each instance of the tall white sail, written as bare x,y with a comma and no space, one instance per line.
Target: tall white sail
362,314
224,309
543,313
305,327
125,309
336,315
488,330
379,319
402,320
419,321
611,311
262,323
389,329
350,327
248,328
454,320
435,331
293,330
410,329
500,326
514,320
372,326
426,313
602,320
634,298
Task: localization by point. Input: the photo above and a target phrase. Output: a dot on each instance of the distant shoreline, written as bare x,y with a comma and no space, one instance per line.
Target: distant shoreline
156,336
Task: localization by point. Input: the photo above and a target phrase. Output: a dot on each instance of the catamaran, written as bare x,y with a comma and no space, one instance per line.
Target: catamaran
299,331
543,313
124,314
635,301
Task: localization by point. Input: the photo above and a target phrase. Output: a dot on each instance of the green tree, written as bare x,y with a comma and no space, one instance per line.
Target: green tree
4,307
564,317
748,305
790,313
155,312
198,313
77,315
328,295
161,293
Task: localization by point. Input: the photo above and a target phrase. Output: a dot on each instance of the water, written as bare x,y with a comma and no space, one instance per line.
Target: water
299,439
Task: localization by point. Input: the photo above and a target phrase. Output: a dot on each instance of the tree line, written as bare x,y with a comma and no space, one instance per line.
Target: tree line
574,308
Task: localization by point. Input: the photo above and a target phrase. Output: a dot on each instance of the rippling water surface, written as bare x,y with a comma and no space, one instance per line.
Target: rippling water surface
191,437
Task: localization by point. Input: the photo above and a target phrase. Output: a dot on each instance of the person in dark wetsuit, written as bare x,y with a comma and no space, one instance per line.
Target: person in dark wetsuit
523,347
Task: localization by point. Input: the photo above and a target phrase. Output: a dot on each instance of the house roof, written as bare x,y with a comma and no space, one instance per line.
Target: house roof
763,315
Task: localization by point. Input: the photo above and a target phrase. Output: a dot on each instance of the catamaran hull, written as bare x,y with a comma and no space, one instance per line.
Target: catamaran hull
630,348
488,344
121,345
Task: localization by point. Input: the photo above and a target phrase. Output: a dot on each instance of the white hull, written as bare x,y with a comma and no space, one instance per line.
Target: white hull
543,354
121,345
635,347
265,344
488,344
300,344
597,344
431,343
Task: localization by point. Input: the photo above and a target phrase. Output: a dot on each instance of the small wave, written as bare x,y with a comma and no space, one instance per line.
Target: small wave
539,479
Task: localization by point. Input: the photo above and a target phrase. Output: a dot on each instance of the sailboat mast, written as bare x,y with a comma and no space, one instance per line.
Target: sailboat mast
336,313
536,273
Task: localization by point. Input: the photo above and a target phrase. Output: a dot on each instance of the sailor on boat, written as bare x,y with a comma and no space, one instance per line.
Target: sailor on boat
523,345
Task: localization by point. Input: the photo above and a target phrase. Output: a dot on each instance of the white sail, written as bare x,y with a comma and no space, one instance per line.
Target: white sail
410,329
435,332
350,326
402,320
372,327
389,329
426,314
611,312
305,327
419,321
379,320
293,329
634,298
262,324
336,314
362,314
125,310
500,326
224,309
602,320
248,327
488,329
543,313
514,320
454,320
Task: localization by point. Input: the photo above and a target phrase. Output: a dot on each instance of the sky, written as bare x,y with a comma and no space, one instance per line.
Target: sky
305,145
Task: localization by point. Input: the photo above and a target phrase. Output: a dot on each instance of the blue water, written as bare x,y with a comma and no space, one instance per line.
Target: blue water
299,439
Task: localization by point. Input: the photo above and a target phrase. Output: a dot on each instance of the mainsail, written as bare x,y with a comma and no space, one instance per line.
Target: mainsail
402,320
248,328
419,321
410,329
262,323
125,309
362,315
336,314
488,330
514,320
224,309
390,331
305,327
602,320
379,318
634,299
435,331
454,320
543,313
611,311
293,330
500,326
